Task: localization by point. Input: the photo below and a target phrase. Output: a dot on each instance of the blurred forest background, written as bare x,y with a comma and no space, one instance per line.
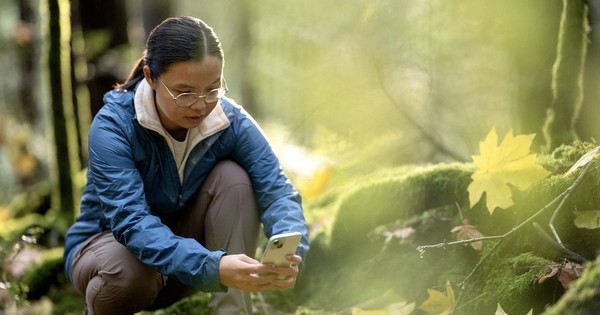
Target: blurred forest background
342,88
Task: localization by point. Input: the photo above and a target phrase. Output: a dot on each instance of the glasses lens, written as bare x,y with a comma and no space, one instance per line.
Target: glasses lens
214,95
186,99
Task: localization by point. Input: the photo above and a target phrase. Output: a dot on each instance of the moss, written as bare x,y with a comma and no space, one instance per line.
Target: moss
13,229
195,304
386,200
66,300
583,297
565,156
426,198
511,281
44,275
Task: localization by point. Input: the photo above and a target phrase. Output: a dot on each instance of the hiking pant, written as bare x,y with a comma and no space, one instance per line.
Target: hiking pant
224,215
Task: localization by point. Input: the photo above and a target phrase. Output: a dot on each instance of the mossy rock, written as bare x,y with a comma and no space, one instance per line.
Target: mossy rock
513,282
357,266
384,201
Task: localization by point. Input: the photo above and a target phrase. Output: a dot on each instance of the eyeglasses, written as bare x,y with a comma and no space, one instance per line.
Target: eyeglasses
189,99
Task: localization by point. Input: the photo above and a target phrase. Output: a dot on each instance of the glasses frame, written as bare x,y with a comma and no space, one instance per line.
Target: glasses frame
221,91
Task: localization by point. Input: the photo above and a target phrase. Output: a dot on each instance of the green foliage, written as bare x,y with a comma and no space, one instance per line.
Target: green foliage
195,304
49,272
512,281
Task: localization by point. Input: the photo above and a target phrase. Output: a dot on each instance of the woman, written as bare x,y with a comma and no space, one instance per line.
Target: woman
179,180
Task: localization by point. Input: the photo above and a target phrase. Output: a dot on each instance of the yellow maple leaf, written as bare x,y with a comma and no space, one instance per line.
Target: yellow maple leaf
439,303
398,308
498,166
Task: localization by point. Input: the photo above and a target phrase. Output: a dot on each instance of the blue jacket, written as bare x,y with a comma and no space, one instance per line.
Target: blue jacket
132,176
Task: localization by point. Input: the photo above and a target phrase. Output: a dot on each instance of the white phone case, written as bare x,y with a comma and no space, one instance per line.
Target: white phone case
280,246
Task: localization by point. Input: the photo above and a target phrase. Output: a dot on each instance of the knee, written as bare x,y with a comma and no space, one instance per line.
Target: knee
141,281
230,173
124,292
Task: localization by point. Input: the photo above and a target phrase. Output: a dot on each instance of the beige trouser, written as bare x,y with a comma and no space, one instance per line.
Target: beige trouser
224,215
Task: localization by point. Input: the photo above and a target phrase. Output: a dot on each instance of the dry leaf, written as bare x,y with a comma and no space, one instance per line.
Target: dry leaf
565,273
390,303
466,231
497,167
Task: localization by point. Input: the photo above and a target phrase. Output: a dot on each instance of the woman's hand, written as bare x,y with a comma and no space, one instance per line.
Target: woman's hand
247,274
285,277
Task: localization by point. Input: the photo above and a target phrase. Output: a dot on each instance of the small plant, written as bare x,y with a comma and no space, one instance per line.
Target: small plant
8,254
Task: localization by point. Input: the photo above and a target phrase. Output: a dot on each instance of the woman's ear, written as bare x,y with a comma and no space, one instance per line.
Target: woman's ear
148,76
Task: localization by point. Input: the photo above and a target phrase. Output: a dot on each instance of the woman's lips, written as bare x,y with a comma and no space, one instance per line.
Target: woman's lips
195,118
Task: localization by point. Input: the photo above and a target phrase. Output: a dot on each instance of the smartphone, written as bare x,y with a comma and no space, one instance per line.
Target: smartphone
279,246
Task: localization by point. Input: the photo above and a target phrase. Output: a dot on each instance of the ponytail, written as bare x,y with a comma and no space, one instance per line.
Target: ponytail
135,76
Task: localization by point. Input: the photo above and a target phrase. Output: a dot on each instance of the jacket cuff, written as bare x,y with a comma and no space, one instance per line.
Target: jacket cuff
212,280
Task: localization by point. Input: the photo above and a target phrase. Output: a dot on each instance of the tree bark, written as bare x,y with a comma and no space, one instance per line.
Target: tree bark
62,115
567,75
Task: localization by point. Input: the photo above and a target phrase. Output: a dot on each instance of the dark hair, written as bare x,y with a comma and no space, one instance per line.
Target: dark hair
175,39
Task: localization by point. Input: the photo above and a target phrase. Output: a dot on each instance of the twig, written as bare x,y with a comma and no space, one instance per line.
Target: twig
422,248
263,303
568,191
558,246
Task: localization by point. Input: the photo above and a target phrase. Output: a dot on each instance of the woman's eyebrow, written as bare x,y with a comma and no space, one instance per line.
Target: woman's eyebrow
183,86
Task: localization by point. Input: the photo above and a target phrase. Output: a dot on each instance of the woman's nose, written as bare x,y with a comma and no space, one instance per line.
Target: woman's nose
200,105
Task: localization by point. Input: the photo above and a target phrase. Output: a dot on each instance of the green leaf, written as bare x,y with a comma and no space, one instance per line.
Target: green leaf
587,219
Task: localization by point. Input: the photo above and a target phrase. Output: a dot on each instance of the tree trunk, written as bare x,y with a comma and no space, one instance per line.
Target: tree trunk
567,75
27,62
62,116
107,18
588,127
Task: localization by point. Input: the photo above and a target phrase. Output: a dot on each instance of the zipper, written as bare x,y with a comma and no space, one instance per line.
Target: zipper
180,200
